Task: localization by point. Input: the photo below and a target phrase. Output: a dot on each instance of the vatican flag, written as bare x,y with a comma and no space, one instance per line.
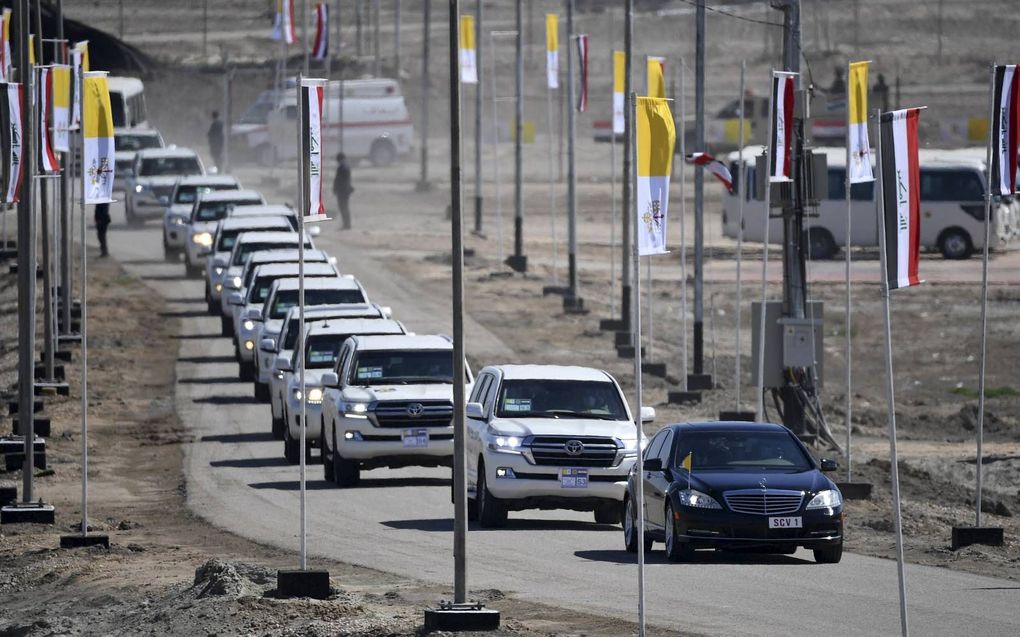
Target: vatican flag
656,136
656,76
61,107
857,125
619,70
97,124
5,46
552,50
468,59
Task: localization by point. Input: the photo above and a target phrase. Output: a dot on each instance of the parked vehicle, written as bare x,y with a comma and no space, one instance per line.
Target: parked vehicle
127,142
206,211
182,200
730,485
389,403
548,437
151,182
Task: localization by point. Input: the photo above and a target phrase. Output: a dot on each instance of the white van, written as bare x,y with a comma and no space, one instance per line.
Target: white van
952,206
376,124
127,100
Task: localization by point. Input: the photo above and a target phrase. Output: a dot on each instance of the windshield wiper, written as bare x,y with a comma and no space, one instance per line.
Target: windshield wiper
578,414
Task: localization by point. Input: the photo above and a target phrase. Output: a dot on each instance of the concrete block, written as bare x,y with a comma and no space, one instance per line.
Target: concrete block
12,406
654,369
8,495
27,513
461,617
967,535
855,490
40,426
683,397
79,541
312,583
700,382
737,416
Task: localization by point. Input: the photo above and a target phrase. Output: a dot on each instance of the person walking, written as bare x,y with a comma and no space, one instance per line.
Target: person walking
102,219
215,137
342,189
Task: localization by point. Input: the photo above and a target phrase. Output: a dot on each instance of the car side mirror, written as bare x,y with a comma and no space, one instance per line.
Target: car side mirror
474,411
282,364
828,464
387,311
314,231
652,464
267,345
647,415
253,314
330,379
331,260
234,298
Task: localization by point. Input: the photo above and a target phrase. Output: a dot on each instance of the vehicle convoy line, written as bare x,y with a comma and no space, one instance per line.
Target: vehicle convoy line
400,521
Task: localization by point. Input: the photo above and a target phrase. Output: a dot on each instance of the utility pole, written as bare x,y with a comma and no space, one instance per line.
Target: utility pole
518,262
699,380
49,338
65,211
423,184
205,27
396,39
478,117
377,64
626,324
358,18
572,303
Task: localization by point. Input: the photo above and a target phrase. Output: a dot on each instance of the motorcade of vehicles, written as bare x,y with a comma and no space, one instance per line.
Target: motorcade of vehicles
152,180
126,143
217,261
734,486
178,212
206,211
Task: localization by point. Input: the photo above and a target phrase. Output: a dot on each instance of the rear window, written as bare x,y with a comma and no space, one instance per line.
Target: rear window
155,166
256,246
136,142
951,185
188,193
837,187
287,299
216,210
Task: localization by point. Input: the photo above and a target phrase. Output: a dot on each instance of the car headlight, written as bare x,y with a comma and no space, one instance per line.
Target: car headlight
203,239
697,500
356,410
503,442
139,188
315,395
219,287
218,270
249,325
236,282
250,345
828,499
180,221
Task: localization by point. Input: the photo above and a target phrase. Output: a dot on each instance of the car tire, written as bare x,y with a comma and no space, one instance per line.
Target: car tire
226,326
382,153
955,244
676,551
246,371
290,447
830,554
170,255
609,513
278,426
261,392
346,473
327,464
821,245
491,512
630,541
472,505
194,272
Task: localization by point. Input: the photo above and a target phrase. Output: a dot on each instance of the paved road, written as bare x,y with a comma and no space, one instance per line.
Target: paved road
400,521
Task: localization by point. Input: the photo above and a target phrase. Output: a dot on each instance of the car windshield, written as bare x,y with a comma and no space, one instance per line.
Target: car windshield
260,291
245,249
155,166
402,368
323,349
216,210
130,141
286,299
560,399
738,450
227,240
187,193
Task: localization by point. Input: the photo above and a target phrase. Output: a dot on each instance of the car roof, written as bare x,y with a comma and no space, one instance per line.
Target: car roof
286,255
345,282
209,180
356,326
347,310
727,425
167,152
404,342
291,269
262,210
268,237
234,223
551,372
143,131
230,195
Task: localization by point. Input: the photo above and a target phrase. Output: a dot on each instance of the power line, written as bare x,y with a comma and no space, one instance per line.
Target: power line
730,14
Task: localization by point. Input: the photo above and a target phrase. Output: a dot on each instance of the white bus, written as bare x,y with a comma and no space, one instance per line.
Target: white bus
127,100
952,206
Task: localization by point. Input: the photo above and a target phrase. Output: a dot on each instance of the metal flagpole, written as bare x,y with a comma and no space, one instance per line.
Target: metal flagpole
612,183
683,231
760,411
377,64
304,35
519,262
423,180
846,320
625,291
984,309
478,117
49,336
552,186
651,321
632,109
84,330
741,193
302,210
396,39
457,254
495,148
65,212
890,390
571,300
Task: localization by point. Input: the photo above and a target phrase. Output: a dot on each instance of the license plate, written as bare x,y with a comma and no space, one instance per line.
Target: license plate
574,478
785,523
415,438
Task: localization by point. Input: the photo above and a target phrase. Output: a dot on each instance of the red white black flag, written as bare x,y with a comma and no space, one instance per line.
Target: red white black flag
714,166
11,98
582,57
311,93
320,48
47,157
901,196
781,131
1005,129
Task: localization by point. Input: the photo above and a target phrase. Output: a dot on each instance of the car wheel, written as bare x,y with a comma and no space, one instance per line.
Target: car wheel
630,528
194,272
955,244
346,473
290,447
491,512
327,466
261,392
821,245
169,254
247,372
676,551
226,326
382,153
829,555
609,513
278,425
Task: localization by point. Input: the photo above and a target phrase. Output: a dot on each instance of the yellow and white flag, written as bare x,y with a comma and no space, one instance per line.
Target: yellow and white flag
656,76
857,124
97,132
79,65
619,70
61,107
31,48
656,136
5,47
468,59
552,50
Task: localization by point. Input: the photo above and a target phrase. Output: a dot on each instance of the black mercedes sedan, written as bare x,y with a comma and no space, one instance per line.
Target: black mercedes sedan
734,486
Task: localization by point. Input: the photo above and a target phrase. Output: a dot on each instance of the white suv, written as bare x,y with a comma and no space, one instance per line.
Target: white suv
548,437
388,404
154,175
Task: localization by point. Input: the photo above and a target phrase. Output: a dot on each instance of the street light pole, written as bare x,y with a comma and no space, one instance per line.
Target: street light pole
518,262
478,117
572,302
423,181
699,379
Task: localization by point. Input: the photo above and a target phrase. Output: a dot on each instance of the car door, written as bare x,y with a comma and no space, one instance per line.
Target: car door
657,483
652,451
474,426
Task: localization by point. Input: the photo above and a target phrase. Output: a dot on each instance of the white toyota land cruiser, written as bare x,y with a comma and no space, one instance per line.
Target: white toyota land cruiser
388,404
548,437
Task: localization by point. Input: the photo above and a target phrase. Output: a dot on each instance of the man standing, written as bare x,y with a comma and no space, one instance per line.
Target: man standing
342,189
215,137
102,219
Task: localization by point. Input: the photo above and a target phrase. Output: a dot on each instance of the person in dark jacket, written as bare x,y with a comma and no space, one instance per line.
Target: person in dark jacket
215,137
342,189
102,218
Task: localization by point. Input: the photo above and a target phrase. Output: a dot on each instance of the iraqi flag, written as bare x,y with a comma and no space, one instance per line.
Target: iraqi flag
1005,129
781,131
320,47
47,157
901,196
311,149
653,148
714,166
283,25
11,98
468,56
61,107
552,50
97,132
582,59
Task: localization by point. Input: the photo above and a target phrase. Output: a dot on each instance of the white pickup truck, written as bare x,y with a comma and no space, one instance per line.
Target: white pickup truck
548,437
388,404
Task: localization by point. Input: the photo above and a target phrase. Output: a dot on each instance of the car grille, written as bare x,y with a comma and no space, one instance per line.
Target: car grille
764,502
552,450
162,191
396,414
